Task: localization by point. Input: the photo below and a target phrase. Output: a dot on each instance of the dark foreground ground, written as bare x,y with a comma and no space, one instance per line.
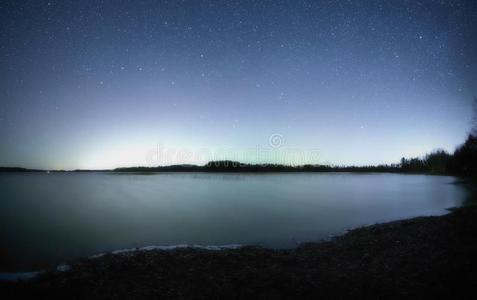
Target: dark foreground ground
426,257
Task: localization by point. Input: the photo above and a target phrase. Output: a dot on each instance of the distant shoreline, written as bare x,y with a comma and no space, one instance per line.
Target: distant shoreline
463,162
236,167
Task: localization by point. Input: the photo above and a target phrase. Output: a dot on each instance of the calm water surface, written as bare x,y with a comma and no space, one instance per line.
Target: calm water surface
48,218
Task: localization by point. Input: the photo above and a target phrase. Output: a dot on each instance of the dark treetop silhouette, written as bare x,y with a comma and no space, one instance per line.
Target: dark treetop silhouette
462,162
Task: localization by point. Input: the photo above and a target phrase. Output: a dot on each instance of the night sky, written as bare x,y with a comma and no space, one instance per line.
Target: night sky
102,84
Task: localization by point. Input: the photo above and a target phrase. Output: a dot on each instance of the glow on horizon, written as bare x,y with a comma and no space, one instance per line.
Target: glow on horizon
353,83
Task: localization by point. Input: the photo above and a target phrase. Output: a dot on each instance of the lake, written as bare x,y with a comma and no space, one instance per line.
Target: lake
46,219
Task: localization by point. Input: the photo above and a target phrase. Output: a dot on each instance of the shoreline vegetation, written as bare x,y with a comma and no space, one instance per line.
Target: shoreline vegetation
419,257
463,162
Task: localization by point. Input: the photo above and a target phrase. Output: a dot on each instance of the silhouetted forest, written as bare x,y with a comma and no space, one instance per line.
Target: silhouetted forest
235,166
462,162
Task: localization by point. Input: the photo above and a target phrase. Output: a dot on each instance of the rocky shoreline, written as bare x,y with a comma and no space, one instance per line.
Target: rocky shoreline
420,257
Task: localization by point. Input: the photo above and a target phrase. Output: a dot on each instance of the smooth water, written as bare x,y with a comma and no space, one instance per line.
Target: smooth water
48,218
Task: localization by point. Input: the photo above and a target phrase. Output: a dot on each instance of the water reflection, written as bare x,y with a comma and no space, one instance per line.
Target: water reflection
46,218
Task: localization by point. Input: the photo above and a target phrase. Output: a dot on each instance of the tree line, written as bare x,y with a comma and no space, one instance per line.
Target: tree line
462,162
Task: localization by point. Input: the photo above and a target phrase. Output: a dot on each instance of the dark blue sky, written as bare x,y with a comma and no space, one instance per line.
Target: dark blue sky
100,84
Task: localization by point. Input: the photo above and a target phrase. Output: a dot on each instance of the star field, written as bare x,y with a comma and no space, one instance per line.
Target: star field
97,84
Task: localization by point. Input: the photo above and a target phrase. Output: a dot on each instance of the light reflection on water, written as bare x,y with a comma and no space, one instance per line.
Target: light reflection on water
47,218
